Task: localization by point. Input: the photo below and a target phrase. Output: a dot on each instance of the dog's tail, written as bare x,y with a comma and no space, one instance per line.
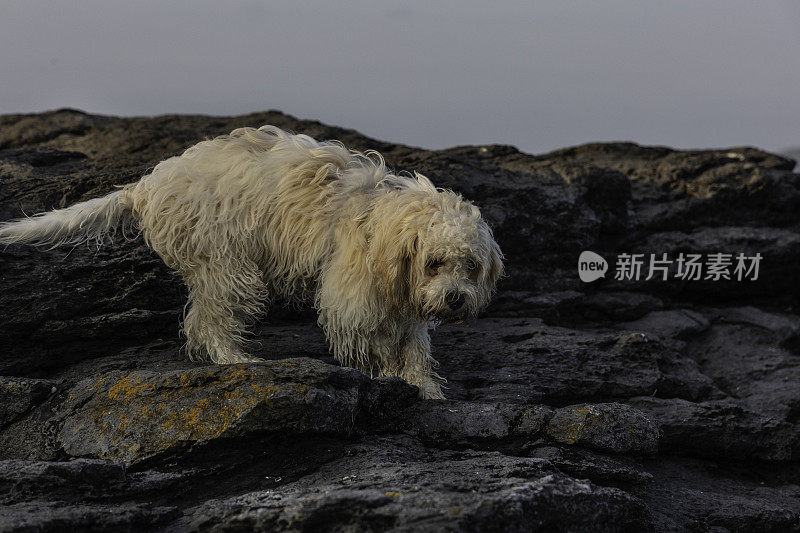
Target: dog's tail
94,219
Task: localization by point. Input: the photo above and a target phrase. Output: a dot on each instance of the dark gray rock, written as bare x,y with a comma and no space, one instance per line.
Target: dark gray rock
608,427
458,424
399,485
554,307
90,351
722,497
681,190
524,360
600,468
20,480
726,428
454,423
83,494
58,516
19,395
616,306
681,376
779,249
134,416
675,324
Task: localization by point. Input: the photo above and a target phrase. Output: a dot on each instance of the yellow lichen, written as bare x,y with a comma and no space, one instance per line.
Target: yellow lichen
129,387
163,412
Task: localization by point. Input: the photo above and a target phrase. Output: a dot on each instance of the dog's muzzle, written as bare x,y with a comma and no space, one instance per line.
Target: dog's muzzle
455,309
455,300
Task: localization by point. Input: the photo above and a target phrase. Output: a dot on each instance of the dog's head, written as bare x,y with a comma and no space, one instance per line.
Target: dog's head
435,256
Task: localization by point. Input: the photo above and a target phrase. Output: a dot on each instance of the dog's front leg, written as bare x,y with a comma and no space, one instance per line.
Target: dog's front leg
416,363
398,349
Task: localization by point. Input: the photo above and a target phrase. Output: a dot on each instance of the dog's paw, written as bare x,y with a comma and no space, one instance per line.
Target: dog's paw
431,390
247,358
239,357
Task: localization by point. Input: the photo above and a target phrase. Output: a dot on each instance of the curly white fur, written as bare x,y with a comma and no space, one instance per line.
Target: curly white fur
261,212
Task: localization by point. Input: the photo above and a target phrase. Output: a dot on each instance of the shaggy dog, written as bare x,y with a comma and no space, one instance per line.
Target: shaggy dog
262,212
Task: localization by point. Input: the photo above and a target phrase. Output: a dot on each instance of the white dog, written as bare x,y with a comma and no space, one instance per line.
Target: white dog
261,212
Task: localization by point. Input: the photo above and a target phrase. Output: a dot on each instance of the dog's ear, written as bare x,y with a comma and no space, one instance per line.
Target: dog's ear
394,247
404,277
496,267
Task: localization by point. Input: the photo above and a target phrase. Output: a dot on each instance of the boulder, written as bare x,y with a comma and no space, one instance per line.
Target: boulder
137,415
609,427
614,405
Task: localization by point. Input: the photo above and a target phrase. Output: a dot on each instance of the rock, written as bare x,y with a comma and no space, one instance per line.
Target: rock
94,303
615,428
598,467
680,190
553,307
532,421
19,478
138,415
725,428
461,422
523,360
19,395
747,362
455,424
722,498
396,484
609,427
92,361
83,494
681,376
779,249
608,305
605,190
681,324
784,325
55,517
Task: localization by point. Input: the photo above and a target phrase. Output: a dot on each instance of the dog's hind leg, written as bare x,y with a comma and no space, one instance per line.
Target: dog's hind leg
225,296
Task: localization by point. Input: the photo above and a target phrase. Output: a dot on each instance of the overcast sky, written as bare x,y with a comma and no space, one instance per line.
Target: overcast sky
536,74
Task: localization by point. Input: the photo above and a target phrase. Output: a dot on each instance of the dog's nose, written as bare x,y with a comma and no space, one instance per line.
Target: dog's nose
455,300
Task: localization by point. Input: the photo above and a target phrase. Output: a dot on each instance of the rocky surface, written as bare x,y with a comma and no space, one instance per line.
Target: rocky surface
617,405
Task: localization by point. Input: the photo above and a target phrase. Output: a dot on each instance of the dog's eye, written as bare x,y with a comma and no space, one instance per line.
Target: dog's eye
473,271
432,266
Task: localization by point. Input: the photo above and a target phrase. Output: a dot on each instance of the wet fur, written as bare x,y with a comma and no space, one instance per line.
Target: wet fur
262,212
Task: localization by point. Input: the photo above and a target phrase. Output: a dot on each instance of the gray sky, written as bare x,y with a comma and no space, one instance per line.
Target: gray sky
536,74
